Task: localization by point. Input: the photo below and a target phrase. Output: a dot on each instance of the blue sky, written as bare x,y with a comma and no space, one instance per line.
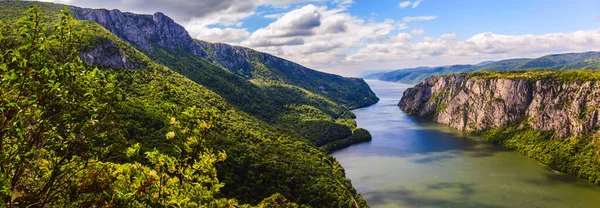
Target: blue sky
467,18
352,37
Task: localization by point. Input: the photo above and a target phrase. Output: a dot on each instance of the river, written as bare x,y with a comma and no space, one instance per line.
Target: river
415,163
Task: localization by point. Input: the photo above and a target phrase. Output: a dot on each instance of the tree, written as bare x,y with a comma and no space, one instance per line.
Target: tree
55,112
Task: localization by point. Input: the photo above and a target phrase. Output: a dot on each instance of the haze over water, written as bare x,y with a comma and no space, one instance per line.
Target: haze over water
417,163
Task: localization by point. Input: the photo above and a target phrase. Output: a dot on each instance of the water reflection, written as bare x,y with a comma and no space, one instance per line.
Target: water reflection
416,163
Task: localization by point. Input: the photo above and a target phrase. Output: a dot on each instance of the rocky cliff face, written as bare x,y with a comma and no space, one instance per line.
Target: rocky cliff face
107,54
143,31
476,103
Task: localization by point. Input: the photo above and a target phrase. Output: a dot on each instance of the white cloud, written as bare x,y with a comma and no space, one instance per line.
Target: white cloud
417,31
288,29
402,37
416,3
418,18
404,4
343,3
226,35
480,47
318,37
448,36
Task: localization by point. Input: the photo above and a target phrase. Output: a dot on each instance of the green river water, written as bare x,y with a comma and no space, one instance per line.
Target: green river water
417,163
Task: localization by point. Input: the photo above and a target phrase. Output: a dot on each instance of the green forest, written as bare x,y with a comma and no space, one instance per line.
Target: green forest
174,131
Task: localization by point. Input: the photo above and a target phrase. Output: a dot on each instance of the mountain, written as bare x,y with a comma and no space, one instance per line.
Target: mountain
550,116
567,61
156,34
167,120
263,67
484,63
416,75
270,88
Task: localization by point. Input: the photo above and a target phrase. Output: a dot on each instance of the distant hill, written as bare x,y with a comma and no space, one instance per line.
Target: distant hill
567,61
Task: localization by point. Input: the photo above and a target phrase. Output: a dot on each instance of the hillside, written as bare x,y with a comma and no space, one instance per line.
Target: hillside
550,116
157,34
272,89
567,61
160,124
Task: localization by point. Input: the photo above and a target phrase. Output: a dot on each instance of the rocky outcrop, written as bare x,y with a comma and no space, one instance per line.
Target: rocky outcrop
474,103
143,31
106,54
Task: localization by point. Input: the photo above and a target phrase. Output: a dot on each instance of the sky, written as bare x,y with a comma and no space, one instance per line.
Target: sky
355,37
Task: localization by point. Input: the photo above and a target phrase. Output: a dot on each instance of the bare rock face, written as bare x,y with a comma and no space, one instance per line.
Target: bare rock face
143,31
474,103
107,54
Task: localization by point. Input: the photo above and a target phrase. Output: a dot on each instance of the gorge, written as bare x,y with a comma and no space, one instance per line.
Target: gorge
109,108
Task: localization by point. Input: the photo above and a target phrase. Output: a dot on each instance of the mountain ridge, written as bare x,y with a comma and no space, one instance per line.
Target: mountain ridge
564,61
151,31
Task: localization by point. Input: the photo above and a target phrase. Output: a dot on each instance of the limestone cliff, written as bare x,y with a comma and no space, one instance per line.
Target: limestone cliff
474,103
549,116
143,31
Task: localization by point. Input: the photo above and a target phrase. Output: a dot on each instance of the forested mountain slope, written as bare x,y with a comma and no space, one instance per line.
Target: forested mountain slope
271,89
159,125
567,61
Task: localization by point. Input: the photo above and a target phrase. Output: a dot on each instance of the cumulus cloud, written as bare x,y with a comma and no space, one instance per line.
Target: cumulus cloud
287,29
418,18
448,36
318,36
404,4
226,35
402,37
417,31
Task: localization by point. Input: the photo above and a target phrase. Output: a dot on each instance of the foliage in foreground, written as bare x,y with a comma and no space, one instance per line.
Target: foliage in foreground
75,136
58,123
